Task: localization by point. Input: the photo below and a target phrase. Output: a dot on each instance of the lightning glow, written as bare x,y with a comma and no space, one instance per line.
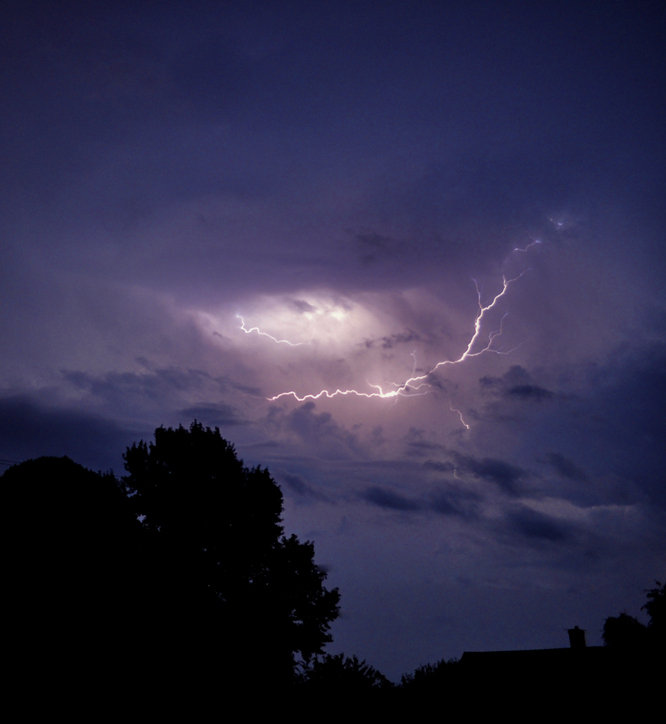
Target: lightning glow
416,383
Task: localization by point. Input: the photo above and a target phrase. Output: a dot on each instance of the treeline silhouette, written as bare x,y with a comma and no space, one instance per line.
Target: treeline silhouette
175,586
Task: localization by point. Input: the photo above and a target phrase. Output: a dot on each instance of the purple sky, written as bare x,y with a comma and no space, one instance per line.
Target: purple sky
346,176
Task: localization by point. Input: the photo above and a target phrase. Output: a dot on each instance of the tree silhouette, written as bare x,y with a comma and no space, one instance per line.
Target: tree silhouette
220,524
432,677
83,590
343,675
656,610
172,585
624,631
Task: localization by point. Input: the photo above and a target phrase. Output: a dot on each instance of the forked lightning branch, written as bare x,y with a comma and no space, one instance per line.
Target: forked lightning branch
478,344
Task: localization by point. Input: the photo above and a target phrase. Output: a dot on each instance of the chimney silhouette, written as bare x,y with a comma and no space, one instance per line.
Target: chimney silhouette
577,638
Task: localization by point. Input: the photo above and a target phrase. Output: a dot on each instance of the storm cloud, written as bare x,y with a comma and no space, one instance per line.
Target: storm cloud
408,258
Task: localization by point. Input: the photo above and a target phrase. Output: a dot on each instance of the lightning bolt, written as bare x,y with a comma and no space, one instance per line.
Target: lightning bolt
264,334
418,384
529,246
414,384
460,415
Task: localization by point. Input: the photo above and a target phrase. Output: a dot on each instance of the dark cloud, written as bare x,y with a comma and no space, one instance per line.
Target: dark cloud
297,484
455,501
471,194
625,421
186,390
515,384
300,305
316,429
152,383
301,488
385,498
509,478
566,468
213,415
532,524
440,467
393,340
416,444
530,392
30,428
447,501
373,247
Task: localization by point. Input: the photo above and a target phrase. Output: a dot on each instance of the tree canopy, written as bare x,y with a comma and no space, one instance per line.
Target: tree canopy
625,631
84,587
221,524
342,675
656,610
178,578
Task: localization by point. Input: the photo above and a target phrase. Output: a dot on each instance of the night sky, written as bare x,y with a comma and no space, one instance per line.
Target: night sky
205,205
